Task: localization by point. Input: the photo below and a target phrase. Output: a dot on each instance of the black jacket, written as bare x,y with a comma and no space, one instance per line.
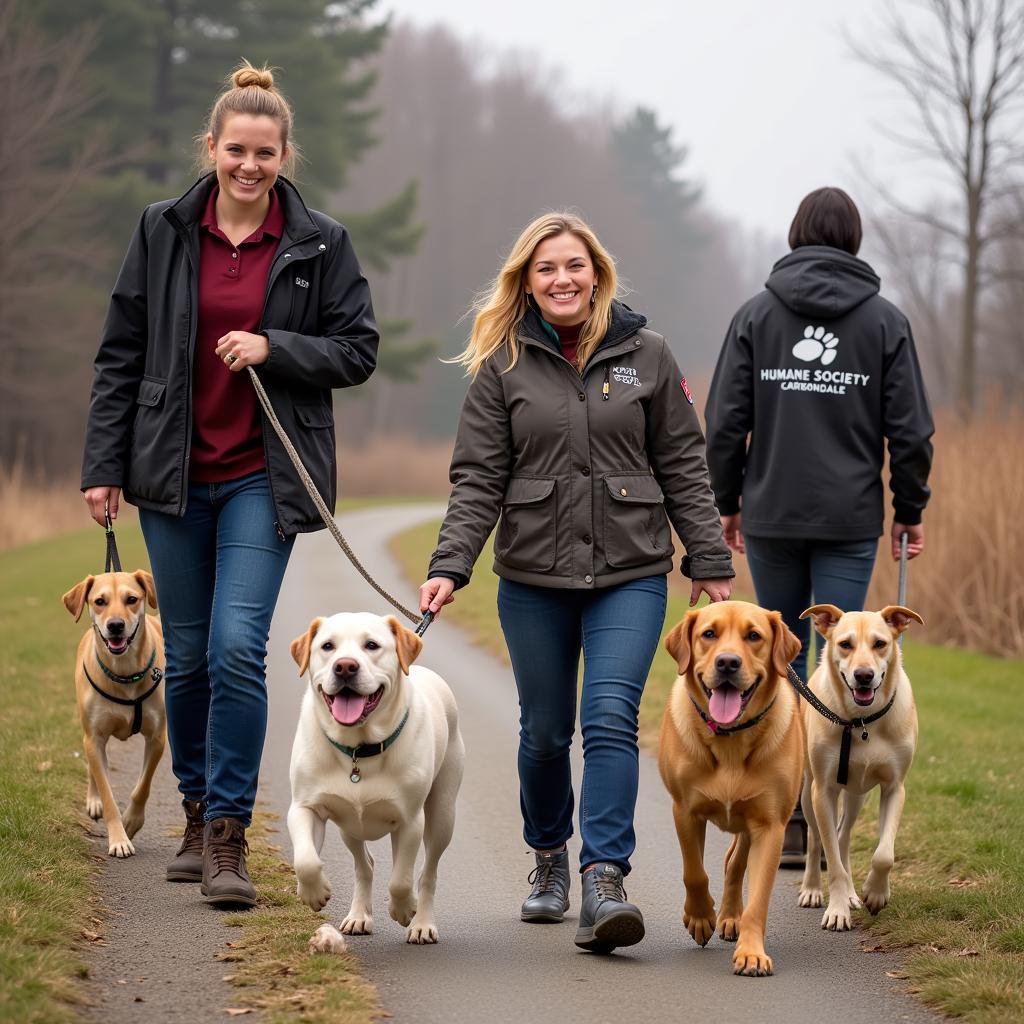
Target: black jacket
585,479
820,371
317,317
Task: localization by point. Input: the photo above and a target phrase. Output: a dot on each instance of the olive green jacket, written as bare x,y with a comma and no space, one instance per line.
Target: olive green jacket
586,472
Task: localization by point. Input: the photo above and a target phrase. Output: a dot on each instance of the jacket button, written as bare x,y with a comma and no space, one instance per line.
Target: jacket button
587,538
287,255
322,246
637,342
582,397
585,471
588,579
623,491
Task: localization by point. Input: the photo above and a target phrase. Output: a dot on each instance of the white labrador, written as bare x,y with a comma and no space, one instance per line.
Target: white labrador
378,752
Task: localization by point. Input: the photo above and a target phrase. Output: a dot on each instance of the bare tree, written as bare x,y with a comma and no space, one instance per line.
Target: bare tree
961,63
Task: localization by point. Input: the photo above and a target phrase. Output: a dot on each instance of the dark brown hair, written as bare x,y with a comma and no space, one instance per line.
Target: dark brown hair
827,216
250,91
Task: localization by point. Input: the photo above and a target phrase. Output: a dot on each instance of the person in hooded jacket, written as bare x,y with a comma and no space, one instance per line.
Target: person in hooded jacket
579,431
236,273
817,373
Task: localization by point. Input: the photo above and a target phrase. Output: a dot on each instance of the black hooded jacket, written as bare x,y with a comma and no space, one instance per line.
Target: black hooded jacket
820,371
317,318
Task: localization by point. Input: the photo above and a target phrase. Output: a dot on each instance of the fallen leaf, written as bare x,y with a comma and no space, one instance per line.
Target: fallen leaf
896,974
228,977
237,1011
139,999
90,936
967,952
962,883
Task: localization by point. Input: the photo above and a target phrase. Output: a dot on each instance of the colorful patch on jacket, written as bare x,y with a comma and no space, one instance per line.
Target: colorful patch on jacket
686,390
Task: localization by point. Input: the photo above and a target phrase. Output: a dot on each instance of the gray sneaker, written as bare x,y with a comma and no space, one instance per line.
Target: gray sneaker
606,919
549,898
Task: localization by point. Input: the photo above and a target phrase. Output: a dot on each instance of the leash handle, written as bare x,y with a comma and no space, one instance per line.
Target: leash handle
421,626
901,586
113,560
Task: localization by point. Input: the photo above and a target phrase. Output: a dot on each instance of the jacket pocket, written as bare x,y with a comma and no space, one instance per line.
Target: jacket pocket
526,533
636,529
314,416
151,392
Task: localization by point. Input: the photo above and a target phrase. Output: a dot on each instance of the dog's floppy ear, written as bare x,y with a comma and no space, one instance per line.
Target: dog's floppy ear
301,645
785,645
677,643
75,598
825,617
897,618
145,580
407,643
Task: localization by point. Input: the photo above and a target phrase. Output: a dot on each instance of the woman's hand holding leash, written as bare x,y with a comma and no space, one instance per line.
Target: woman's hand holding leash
99,499
240,349
915,540
436,593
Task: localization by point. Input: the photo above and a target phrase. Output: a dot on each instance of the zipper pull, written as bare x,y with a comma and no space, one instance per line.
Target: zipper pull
604,389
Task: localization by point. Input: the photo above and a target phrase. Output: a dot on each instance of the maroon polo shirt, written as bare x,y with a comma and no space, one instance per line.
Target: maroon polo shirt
227,436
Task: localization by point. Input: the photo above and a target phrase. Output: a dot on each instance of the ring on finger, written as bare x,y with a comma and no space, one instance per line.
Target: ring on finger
231,358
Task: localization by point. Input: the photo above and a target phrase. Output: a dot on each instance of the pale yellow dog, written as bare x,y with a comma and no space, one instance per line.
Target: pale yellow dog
860,680
119,688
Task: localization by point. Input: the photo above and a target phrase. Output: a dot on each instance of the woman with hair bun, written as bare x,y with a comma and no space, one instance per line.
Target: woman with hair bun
235,273
579,431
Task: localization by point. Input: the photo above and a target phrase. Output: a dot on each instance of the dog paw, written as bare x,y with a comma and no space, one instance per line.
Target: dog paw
357,924
700,928
729,929
876,894
314,890
421,933
94,807
753,964
402,908
810,898
837,916
328,939
121,847
134,820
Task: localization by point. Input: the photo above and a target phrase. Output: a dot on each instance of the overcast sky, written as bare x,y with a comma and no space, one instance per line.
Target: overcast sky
767,96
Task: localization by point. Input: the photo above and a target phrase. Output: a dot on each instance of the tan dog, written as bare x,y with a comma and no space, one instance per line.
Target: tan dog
731,753
378,752
859,676
119,687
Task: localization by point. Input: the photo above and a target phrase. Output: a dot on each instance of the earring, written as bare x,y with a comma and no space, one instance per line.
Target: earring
593,295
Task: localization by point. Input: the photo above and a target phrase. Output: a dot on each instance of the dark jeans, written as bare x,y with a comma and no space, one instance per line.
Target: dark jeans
218,571
791,575
618,630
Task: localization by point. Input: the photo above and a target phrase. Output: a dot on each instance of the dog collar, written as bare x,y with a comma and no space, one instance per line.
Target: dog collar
136,677
727,730
135,703
367,749
848,724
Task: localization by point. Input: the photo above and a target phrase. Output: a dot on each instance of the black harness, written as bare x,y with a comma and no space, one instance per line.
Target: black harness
848,724
133,702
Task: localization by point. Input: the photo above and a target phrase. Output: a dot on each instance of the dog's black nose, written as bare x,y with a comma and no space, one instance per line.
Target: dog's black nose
346,667
115,627
864,676
727,664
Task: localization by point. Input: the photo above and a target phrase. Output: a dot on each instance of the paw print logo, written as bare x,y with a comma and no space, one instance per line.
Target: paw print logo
816,343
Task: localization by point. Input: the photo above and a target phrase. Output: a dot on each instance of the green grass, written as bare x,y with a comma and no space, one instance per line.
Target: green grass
958,883
48,909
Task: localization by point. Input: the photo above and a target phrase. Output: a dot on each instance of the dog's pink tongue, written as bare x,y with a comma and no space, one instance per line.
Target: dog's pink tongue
348,706
725,704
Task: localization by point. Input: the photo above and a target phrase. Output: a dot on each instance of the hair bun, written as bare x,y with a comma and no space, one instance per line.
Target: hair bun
248,75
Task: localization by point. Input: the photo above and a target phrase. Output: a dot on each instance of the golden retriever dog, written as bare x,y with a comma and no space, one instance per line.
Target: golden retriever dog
377,751
119,687
860,680
731,753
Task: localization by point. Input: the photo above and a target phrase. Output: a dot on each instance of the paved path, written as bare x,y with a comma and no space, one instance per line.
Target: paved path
489,966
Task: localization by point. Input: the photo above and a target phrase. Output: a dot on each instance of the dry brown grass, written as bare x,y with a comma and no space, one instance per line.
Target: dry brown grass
394,465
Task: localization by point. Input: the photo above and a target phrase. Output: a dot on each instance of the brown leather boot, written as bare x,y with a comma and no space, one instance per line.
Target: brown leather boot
794,845
187,865
225,877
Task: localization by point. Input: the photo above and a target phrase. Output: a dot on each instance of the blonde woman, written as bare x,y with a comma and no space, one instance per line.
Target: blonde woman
235,273
578,430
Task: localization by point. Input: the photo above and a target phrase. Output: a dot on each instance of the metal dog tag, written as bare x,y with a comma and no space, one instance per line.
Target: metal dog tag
355,776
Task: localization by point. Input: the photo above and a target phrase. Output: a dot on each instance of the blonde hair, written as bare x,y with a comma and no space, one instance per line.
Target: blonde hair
501,307
250,90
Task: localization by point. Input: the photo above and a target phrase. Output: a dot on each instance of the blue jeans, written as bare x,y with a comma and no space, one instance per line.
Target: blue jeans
218,571
618,629
792,574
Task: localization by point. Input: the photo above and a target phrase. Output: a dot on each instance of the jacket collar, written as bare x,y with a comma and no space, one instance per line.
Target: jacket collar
625,323
186,213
